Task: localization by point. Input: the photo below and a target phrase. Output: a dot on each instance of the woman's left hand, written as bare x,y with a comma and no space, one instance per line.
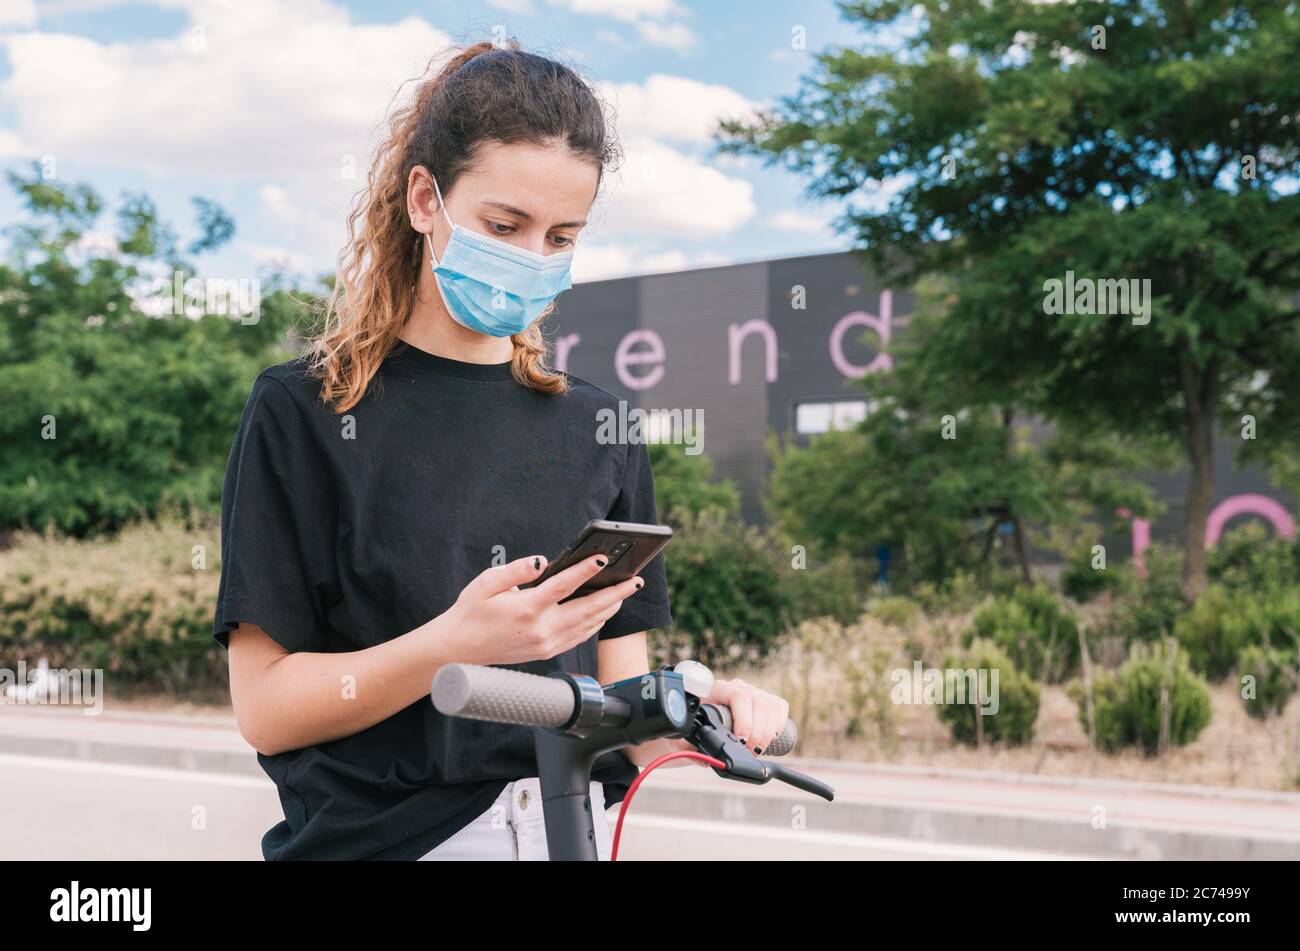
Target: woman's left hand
757,717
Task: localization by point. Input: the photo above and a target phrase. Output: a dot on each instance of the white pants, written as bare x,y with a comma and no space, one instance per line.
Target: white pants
513,829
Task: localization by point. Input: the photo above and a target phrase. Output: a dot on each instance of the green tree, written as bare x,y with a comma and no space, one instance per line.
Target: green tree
684,484
113,411
939,477
1126,139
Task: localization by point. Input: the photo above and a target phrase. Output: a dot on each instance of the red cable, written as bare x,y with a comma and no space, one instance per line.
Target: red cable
631,790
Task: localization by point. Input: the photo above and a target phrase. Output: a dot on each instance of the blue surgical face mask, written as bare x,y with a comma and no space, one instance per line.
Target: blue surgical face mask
491,286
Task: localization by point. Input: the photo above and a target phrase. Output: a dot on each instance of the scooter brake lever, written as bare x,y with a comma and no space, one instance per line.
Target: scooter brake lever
712,738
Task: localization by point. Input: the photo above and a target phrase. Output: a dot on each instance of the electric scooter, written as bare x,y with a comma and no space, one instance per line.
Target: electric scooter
575,720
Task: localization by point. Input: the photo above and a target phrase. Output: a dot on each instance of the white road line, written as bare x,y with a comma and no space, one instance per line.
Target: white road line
134,772
845,839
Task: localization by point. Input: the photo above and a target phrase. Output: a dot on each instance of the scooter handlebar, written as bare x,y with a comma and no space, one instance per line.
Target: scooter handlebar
501,695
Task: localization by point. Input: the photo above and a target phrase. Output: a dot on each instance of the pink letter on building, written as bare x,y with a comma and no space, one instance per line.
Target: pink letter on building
1262,505
1230,508
737,333
563,346
1141,542
624,358
882,325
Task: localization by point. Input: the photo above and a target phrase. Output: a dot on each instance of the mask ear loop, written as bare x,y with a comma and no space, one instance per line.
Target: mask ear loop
442,205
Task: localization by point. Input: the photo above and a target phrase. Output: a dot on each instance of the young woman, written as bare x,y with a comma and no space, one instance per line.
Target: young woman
389,492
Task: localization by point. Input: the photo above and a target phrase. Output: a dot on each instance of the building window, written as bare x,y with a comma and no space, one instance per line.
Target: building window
823,417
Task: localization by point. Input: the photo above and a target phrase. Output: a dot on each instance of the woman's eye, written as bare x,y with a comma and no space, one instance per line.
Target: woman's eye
561,241
497,228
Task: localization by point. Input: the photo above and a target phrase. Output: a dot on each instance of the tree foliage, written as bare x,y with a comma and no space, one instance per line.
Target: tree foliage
111,412
1129,139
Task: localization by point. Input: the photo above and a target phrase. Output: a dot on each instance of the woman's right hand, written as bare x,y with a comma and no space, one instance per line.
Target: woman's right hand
494,622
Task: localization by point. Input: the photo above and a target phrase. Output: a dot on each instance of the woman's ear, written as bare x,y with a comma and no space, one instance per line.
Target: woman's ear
421,200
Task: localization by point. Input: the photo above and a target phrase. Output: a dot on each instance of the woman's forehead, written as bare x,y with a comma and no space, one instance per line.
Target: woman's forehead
544,182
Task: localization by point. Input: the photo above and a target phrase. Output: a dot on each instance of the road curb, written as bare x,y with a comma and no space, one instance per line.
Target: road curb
240,763
1003,830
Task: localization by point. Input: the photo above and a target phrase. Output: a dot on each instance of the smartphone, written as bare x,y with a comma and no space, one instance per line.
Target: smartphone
628,546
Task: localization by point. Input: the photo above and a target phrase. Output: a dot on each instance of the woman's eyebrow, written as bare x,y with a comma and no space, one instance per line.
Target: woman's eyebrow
520,213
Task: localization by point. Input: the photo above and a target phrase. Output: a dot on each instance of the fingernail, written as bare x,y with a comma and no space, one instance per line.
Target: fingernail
601,562
639,584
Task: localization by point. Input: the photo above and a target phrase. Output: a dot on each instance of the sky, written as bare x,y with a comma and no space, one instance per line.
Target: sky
271,108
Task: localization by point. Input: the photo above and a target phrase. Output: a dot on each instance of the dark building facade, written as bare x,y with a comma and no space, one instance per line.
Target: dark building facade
777,345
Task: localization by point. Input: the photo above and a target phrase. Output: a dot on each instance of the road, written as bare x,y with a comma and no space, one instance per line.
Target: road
75,809
145,786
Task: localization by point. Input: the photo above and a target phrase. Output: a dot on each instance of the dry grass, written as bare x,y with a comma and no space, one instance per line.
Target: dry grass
841,701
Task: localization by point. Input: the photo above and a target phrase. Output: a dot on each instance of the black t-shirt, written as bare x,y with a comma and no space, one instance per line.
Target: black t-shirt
344,531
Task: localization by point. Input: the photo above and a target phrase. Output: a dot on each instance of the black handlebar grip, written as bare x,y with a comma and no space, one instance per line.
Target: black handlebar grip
502,696
780,746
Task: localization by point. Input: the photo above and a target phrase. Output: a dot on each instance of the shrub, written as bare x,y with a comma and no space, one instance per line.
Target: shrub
895,610
1223,623
1248,558
865,655
826,587
958,593
724,588
1038,633
1147,609
1082,582
734,591
684,484
1273,674
1128,706
1015,694
131,605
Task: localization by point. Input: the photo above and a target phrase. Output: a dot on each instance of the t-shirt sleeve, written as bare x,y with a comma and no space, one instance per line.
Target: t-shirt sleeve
278,520
647,608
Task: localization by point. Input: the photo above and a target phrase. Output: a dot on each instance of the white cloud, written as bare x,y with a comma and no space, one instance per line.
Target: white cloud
96,244
229,97
285,94
676,36
601,262
800,222
513,6
275,259
276,201
280,98
628,11
597,262
667,261
659,189
650,17
297,216
19,13
11,146
674,108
